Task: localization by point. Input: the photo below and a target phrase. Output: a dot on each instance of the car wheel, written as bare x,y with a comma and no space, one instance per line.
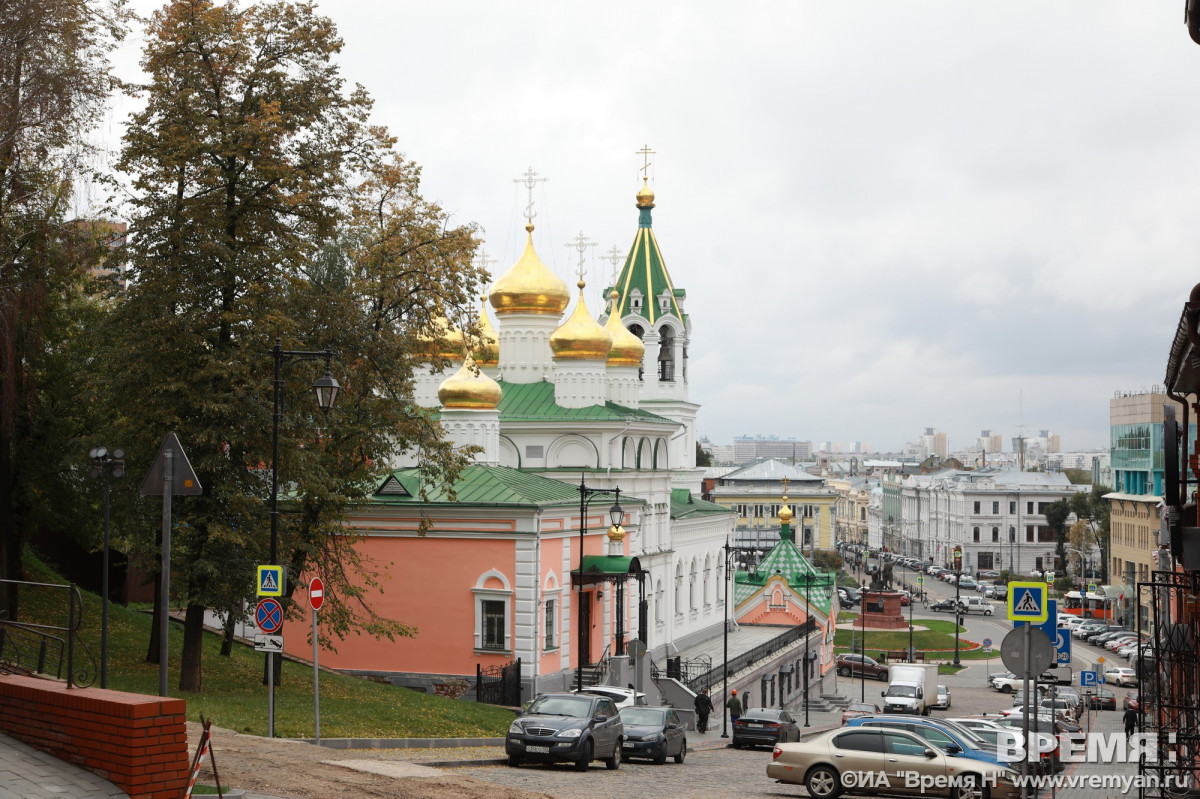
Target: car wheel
613,761
822,782
883,676
988,612
660,756
682,751
585,757
736,744
971,789
514,760
844,672
1006,689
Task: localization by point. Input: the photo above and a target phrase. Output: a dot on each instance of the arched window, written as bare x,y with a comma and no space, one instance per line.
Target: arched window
995,533
679,589
658,602
707,574
976,535
692,587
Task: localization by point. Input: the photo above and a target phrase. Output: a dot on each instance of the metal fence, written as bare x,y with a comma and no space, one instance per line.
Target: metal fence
752,656
47,648
499,685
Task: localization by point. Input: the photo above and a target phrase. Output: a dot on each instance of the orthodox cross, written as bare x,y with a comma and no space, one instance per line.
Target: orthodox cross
483,260
581,243
645,153
614,257
530,179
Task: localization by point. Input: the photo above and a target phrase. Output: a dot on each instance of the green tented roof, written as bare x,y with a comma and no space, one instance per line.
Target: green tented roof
645,270
523,402
786,559
685,505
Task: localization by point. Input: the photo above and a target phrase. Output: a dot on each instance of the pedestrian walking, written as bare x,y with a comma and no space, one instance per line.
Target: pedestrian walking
734,706
1131,720
704,706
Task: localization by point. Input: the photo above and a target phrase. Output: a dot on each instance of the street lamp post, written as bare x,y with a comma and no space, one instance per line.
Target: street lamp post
862,671
807,637
958,554
326,389
616,514
110,466
911,652
725,662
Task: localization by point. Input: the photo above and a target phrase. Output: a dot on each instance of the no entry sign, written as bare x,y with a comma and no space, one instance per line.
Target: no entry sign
316,593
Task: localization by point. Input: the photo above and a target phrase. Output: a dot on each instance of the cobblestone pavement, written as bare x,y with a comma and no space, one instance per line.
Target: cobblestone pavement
26,773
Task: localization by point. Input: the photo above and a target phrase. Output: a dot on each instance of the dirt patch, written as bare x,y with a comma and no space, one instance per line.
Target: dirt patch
293,770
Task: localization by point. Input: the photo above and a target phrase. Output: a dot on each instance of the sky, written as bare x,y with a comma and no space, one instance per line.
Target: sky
887,216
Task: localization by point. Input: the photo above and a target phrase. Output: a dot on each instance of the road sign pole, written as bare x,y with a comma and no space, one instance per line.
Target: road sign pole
164,627
1025,714
270,694
316,682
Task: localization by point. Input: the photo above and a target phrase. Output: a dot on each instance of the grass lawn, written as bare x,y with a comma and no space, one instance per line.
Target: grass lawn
233,694
938,639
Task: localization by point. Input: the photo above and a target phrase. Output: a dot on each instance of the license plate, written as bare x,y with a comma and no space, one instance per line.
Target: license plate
538,750
627,746
752,724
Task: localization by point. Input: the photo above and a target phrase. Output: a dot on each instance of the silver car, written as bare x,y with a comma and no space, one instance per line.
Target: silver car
828,763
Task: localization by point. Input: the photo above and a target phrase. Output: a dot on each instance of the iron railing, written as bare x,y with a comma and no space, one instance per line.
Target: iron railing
47,648
752,656
499,685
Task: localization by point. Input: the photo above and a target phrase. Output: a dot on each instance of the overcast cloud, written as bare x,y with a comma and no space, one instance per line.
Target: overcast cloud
886,215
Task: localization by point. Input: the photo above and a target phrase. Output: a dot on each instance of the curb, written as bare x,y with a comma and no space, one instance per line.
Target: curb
401,743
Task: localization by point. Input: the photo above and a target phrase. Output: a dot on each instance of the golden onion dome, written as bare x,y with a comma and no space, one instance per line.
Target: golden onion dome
785,513
580,338
616,533
530,286
443,340
490,355
627,349
645,197
469,389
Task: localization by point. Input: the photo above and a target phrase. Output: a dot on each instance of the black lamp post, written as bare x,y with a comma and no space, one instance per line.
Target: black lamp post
911,652
958,554
725,666
110,466
807,637
616,514
326,389
862,671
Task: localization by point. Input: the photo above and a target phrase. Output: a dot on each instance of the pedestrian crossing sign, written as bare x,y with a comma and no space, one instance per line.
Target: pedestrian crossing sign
1028,602
270,581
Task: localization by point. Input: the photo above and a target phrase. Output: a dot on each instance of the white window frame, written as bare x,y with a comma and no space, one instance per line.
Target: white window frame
505,595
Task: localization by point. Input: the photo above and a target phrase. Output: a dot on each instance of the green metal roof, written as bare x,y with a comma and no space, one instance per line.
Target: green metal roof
605,564
645,270
479,485
523,402
786,560
684,505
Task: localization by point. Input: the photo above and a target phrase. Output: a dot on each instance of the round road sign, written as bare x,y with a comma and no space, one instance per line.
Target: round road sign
316,593
987,643
268,616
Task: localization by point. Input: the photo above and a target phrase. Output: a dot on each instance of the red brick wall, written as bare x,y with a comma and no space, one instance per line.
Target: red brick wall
137,742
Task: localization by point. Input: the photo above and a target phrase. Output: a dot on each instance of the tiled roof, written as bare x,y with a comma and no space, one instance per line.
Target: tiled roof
523,402
645,270
786,560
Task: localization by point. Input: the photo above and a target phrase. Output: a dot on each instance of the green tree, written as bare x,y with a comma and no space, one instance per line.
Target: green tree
1056,516
266,206
53,84
1093,509
703,458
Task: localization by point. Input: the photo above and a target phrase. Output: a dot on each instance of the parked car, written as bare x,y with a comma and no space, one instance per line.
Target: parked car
976,604
764,725
968,584
1121,641
1130,701
997,592
1086,628
856,709
574,727
995,675
943,698
653,732
855,665
939,732
621,697
989,574
818,762
1102,699
1119,675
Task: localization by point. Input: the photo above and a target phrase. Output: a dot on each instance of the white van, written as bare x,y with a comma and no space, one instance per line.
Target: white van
975,604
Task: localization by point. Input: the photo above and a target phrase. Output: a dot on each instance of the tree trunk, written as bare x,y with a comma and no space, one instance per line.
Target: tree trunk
12,535
227,638
193,643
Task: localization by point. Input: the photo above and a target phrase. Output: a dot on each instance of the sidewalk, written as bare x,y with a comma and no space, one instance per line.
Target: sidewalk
26,773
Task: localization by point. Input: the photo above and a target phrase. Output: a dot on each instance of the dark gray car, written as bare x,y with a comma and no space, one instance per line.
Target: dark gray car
653,732
577,728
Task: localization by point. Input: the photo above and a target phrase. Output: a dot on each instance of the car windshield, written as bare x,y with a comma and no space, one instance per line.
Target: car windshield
641,715
861,707
901,690
571,706
969,737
